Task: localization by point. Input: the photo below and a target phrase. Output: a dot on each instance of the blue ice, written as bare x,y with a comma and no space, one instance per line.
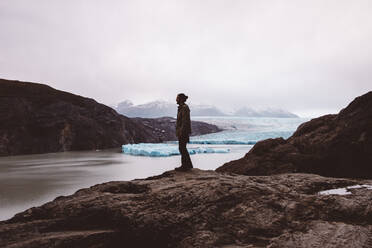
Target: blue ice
229,137
165,150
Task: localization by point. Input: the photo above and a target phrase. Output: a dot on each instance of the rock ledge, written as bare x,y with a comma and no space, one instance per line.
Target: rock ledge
199,209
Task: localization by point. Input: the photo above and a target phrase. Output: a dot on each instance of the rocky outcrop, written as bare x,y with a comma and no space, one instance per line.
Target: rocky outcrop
333,145
35,118
200,209
165,127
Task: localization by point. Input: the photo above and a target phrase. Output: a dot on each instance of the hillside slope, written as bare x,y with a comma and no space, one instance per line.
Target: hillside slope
35,118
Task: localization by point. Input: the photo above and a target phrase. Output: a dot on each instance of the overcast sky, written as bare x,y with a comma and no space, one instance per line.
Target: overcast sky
310,57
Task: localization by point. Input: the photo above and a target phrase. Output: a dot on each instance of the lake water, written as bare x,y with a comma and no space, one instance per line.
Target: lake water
31,180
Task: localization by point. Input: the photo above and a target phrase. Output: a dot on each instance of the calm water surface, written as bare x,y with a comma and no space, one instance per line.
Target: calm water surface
31,180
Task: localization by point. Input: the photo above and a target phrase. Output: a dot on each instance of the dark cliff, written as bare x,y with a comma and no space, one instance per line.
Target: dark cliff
35,118
333,145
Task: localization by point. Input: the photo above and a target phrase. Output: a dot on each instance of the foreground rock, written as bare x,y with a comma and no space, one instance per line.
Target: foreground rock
332,145
199,209
35,118
165,127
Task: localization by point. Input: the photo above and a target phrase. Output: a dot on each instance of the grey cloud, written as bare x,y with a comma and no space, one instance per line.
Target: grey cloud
300,55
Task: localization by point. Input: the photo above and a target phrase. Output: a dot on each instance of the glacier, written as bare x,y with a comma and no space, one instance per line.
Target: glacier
236,131
232,137
246,130
165,149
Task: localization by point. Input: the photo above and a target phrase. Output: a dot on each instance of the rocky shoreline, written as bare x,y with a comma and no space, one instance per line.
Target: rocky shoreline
332,145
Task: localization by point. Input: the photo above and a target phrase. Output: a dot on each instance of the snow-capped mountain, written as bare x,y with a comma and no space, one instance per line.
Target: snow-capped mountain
148,110
161,108
206,110
125,104
267,112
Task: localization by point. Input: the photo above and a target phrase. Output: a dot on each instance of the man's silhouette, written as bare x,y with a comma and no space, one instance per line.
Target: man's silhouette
183,131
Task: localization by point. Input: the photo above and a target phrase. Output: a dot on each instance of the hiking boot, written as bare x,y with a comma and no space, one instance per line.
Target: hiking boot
189,167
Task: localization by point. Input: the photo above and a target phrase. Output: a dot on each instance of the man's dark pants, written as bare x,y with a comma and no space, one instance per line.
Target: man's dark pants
185,157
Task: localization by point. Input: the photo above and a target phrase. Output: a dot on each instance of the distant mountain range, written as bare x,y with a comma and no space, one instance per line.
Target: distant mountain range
162,108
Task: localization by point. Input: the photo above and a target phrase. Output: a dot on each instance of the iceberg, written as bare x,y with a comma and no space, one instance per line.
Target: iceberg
165,149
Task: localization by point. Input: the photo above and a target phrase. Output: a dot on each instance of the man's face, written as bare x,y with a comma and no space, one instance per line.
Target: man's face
178,99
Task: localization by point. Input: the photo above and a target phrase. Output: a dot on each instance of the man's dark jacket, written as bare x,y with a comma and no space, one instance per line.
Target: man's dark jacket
183,126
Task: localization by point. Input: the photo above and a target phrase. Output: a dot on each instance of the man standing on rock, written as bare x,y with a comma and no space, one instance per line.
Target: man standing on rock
183,131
